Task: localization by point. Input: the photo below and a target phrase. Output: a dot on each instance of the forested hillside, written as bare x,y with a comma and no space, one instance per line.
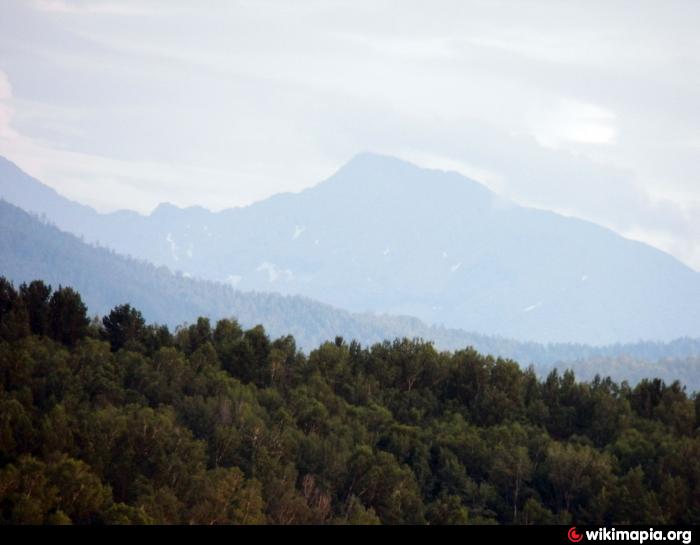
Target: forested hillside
31,249
117,421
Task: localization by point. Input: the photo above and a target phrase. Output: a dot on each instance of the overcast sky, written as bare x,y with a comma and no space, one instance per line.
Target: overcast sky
588,108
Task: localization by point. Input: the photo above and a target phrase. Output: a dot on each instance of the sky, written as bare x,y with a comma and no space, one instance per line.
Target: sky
589,108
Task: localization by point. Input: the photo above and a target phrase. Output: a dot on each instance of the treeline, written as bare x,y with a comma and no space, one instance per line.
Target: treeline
118,421
633,369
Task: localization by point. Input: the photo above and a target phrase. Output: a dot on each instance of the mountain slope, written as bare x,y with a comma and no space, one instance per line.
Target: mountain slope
31,249
382,235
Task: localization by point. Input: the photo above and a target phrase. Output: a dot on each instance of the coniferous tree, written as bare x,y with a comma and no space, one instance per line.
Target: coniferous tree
68,319
123,325
36,297
13,313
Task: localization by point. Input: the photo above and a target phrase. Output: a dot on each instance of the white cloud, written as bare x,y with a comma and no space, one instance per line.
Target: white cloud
5,87
77,7
6,111
570,121
7,132
274,272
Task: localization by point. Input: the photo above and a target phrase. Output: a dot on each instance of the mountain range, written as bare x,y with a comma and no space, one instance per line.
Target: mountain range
384,236
30,248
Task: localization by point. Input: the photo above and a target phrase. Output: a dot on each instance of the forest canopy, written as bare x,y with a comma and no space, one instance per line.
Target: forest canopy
117,421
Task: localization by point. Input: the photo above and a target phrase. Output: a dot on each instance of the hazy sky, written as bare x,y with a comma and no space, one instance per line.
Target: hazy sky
588,108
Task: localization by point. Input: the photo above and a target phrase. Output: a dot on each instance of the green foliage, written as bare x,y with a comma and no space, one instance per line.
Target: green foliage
36,298
13,313
128,424
68,316
122,326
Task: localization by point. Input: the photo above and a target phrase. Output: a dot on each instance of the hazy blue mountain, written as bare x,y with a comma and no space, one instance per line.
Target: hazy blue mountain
31,249
382,235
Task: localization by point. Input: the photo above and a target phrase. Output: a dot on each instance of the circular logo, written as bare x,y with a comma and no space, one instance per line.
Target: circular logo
573,535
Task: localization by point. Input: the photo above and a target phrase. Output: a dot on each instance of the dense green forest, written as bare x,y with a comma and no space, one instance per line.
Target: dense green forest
118,421
30,248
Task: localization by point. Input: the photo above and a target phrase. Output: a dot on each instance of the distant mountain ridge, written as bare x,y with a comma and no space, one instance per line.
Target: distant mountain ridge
31,249
382,235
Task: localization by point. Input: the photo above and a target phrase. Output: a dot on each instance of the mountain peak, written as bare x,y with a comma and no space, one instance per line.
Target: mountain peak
375,163
173,211
165,208
387,177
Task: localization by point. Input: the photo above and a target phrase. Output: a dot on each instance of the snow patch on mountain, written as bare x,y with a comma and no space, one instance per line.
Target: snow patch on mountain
234,279
274,272
173,246
532,307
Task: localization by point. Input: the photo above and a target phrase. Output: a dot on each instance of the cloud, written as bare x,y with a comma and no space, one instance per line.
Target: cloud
5,87
95,179
77,7
6,110
570,120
